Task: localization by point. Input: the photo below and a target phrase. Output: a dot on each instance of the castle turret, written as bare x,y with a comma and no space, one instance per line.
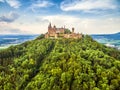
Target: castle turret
54,27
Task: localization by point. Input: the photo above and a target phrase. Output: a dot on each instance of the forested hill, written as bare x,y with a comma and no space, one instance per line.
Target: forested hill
60,64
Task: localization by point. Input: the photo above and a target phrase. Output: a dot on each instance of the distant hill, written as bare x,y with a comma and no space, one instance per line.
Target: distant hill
112,40
8,40
115,36
118,33
60,64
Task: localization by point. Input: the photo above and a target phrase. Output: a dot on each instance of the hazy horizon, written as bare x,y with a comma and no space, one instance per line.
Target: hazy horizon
44,33
34,16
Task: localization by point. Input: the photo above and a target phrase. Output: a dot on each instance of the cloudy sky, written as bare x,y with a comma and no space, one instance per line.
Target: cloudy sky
33,16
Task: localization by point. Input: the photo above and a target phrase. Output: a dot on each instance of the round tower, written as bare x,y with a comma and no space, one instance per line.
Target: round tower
54,27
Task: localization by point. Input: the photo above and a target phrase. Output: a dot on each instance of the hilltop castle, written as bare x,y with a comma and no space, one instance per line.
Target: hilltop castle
54,32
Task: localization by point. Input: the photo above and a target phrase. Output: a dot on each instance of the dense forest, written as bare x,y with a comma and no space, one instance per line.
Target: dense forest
60,64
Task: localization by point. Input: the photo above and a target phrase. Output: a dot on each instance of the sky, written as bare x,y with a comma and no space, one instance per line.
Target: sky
34,16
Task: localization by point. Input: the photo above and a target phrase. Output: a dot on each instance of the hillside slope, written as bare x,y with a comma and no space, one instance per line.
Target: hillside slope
60,64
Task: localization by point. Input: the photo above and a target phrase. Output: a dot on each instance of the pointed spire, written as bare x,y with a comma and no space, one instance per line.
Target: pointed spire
49,25
73,30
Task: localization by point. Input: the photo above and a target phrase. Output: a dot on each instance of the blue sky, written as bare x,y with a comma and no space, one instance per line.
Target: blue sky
33,16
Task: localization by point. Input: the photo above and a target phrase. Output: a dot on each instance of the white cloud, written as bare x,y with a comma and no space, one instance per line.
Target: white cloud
41,4
14,3
2,1
6,28
86,26
87,5
81,25
26,27
10,17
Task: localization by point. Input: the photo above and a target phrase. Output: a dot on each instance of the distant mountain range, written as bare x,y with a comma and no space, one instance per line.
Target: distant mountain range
112,40
115,36
8,40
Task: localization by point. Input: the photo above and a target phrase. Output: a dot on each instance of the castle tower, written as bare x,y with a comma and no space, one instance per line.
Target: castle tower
49,26
73,30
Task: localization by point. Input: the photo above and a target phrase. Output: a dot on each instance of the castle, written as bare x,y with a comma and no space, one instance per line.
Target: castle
54,32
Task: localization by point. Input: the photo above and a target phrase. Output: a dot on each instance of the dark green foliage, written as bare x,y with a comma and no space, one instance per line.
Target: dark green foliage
67,31
60,64
40,37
